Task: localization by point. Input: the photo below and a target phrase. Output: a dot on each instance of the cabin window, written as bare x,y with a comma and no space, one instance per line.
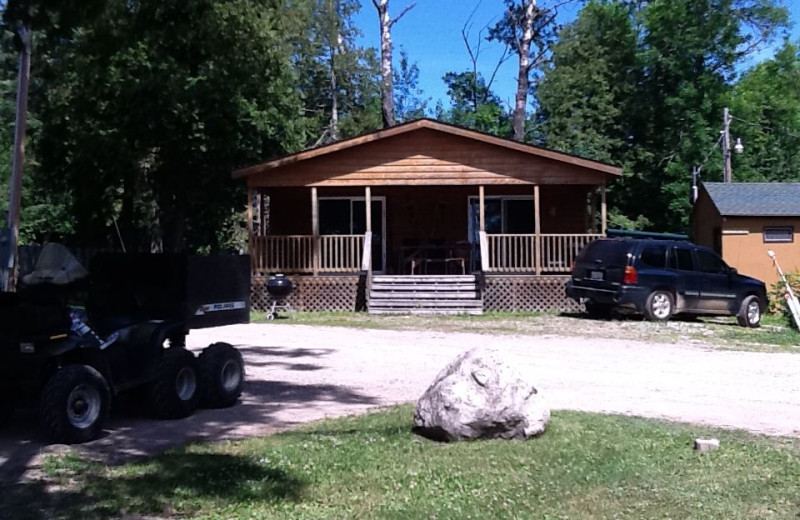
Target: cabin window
514,215
778,234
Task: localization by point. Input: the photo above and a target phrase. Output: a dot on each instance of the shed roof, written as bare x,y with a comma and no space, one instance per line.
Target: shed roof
437,126
756,199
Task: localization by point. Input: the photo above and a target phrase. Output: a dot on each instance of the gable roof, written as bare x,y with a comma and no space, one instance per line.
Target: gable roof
432,125
755,199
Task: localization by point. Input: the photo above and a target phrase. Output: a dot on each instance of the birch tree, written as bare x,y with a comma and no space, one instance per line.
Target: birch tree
387,86
529,30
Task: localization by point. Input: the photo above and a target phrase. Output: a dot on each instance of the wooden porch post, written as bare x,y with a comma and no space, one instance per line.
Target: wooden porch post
482,212
603,209
537,230
250,229
368,205
315,228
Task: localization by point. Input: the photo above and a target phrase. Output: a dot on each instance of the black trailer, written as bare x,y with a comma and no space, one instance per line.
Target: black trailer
74,360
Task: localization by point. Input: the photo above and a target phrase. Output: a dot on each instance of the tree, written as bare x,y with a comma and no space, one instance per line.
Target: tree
387,90
529,31
408,101
585,96
689,53
474,105
339,80
152,105
656,110
766,103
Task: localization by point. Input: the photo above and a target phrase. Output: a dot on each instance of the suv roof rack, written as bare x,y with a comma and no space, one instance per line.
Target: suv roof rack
631,233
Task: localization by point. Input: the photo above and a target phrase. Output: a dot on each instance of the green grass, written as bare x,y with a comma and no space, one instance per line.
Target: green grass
722,333
372,466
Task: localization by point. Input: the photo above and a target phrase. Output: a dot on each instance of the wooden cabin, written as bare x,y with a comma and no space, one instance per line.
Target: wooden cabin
743,220
424,216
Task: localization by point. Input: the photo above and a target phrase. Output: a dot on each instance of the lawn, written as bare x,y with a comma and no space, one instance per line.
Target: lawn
372,466
721,333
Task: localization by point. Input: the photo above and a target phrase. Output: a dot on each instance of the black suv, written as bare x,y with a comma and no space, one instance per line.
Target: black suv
661,278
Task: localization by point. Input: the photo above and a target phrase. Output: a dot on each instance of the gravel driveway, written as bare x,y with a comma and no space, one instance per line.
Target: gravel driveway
301,373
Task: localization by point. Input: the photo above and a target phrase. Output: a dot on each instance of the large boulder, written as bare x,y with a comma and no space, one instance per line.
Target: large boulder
480,396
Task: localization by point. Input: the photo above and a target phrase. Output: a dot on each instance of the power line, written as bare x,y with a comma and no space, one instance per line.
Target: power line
786,132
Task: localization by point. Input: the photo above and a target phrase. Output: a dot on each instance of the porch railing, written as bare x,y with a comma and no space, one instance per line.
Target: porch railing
552,253
301,254
285,254
340,253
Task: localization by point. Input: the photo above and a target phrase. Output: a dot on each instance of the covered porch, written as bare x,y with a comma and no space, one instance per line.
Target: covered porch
423,230
425,199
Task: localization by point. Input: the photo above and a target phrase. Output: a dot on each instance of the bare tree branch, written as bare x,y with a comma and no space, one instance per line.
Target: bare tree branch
402,13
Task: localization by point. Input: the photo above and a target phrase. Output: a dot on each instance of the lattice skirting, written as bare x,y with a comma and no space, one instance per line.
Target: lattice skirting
311,293
527,293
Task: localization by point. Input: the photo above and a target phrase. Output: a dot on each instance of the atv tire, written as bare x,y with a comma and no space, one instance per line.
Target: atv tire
221,375
75,404
174,392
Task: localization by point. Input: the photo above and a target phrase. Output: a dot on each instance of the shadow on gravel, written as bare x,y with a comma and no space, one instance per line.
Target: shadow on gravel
274,357
132,432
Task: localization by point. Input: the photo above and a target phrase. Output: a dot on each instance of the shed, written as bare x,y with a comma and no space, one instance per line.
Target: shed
742,221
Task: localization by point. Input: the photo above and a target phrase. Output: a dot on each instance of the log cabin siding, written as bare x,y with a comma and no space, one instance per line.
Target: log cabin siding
426,157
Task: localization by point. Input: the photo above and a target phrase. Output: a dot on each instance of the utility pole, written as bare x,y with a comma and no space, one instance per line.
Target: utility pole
9,265
726,144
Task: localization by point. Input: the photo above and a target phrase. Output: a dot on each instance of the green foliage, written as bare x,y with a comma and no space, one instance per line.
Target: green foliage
328,41
149,108
767,98
409,102
587,91
777,297
474,105
372,466
643,85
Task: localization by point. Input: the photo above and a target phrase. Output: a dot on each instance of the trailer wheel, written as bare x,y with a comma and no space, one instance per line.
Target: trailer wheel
221,375
74,404
173,393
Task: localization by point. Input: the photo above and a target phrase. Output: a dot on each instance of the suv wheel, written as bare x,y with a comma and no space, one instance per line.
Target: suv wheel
599,311
75,404
749,313
660,306
173,394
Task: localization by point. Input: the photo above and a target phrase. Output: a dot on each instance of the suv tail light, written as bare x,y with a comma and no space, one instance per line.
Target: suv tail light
631,277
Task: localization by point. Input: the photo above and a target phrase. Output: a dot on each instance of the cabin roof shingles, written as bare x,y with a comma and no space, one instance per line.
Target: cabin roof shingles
755,199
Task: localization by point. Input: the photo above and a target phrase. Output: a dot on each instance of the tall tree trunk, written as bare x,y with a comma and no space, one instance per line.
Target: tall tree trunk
387,83
523,80
334,45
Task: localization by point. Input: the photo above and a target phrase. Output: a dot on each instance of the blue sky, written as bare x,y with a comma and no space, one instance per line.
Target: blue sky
431,34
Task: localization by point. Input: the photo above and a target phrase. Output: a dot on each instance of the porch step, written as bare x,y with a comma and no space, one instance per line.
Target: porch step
425,294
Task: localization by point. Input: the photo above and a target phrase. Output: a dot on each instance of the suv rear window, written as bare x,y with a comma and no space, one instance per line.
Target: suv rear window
606,251
654,256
